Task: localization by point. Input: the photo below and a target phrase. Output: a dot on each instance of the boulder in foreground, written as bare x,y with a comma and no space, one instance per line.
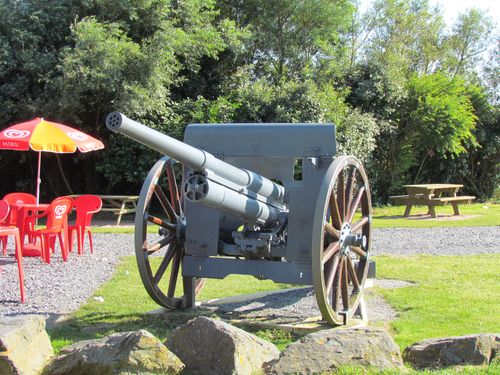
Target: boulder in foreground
478,349
24,345
208,346
137,352
325,351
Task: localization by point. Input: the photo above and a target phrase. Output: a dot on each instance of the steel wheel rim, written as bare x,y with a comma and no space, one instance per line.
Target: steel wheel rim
171,221
338,281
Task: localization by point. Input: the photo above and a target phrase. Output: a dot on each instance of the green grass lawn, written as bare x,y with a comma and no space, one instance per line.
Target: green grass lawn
452,295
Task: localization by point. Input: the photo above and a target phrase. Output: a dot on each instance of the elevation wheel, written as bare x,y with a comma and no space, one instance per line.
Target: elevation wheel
341,240
159,252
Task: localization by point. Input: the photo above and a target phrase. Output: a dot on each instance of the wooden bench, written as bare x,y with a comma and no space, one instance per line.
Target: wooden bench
454,201
430,195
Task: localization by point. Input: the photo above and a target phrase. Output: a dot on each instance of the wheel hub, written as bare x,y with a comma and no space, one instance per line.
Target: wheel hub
347,239
181,229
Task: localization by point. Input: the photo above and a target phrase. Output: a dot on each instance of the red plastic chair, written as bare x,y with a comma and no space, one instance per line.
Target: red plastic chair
57,226
6,231
15,199
86,206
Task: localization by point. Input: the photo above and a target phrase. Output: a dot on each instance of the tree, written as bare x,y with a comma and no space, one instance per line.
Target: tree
32,32
130,62
290,38
469,39
406,37
479,167
438,118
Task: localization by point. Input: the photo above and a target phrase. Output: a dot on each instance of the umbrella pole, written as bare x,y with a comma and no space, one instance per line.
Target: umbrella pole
38,180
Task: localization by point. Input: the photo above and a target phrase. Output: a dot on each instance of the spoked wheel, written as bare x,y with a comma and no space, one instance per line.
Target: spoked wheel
159,253
341,240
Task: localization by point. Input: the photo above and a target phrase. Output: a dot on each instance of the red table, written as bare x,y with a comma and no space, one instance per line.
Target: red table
23,211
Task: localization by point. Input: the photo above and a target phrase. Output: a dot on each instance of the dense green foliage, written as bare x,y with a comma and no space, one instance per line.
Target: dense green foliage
410,95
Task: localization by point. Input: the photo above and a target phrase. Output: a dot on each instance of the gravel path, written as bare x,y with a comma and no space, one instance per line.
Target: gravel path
61,287
436,241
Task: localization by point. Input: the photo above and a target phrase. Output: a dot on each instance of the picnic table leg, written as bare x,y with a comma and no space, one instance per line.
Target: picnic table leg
432,211
407,210
455,208
122,208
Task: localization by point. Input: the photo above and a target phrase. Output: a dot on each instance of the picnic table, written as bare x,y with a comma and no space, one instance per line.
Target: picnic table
118,204
431,195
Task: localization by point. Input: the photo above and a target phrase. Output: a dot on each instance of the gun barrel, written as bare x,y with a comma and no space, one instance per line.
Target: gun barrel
199,189
196,159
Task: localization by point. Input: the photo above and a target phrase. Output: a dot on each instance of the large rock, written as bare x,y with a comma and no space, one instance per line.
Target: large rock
325,351
24,345
208,346
137,352
459,350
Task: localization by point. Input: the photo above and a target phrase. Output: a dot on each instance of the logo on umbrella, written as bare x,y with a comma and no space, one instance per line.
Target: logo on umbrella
14,133
77,136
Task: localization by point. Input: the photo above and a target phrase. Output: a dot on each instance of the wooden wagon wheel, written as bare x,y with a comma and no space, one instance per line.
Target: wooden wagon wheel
159,253
341,240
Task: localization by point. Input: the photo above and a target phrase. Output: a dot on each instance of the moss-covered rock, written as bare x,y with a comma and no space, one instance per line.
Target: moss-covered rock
118,354
327,350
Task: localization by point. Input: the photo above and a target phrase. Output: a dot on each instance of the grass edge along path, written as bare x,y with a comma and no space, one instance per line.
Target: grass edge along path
445,301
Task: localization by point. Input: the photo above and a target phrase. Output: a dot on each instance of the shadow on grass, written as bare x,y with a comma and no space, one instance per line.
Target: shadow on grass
97,325
389,217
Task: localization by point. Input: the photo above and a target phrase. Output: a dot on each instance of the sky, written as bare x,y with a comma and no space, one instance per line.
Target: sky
451,8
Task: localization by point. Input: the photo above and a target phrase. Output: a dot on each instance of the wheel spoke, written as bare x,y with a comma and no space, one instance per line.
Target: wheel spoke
334,212
165,203
349,189
153,248
355,204
160,222
173,275
331,274
358,251
352,274
330,251
174,193
331,230
345,285
359,224
341,195
164,264
338,280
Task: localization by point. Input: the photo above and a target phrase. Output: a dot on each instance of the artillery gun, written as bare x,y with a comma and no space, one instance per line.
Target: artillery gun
307,222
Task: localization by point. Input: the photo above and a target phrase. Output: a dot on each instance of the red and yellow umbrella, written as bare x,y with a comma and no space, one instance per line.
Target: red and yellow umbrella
42,135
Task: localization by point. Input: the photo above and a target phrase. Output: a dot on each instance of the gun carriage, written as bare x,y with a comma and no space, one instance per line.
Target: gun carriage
307,222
